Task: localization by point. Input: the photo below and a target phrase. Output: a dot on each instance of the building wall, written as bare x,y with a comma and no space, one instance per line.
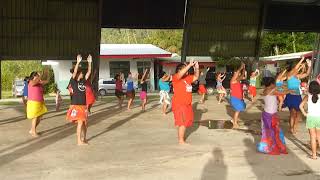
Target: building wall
62,75
62,71
272,68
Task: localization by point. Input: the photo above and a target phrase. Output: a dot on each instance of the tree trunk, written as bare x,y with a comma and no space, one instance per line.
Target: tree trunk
294,42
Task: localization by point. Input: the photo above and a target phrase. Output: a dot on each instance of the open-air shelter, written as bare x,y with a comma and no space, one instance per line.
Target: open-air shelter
60,29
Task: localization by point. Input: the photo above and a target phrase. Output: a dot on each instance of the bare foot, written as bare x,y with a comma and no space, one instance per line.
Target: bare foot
295,131
33,134
183,143
313,157
82,143
235,126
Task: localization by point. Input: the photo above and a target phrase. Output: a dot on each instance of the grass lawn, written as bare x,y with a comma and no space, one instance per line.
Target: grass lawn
6,94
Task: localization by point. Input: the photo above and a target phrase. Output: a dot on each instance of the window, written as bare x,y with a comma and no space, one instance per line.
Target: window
143,65
119,66
108,82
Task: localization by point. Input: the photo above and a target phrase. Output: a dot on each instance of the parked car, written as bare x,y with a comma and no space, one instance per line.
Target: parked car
17,88
108,86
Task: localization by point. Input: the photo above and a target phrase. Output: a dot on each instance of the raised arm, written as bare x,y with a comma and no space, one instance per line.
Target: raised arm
183,71
297,66
143,76
196,73
45,78
89,59
167,78
236,74
121,77
223,77
306,74
257,72
282,76
75,71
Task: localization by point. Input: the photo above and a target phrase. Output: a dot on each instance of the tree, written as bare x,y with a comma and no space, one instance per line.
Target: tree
170,40
11,70
276,43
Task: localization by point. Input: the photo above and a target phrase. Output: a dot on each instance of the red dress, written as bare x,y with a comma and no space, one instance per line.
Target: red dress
90,99
182,101
202,89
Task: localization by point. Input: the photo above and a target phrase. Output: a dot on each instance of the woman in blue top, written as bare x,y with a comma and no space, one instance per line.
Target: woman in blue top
281,77
164,91
293,99
25,91
130,89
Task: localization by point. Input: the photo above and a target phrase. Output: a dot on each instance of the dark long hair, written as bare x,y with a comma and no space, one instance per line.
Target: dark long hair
269,81
33,74
180,66
314,90
117,76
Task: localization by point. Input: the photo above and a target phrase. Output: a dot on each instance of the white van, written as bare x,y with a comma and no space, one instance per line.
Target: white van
17,88
108,86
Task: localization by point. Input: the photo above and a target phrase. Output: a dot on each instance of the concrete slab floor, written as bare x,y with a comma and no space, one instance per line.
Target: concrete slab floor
143,145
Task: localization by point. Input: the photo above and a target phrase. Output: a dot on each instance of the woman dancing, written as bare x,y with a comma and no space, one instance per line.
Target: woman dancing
144,89
182,97
78,111
202,85
293,99
272,140
236,99
118,92
131,93
313,115
36,107
164,91
280,87
221,90
252,85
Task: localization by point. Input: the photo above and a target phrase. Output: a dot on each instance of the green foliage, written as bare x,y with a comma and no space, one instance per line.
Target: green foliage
286,42
50,87
11,70
170,40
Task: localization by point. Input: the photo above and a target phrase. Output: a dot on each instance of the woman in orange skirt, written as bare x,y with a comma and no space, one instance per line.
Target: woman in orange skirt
182,97
252,87
78,109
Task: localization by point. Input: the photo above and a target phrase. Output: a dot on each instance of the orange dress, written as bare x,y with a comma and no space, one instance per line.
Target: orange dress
182,100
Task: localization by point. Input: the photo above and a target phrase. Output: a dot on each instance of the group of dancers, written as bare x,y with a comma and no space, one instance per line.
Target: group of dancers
276,95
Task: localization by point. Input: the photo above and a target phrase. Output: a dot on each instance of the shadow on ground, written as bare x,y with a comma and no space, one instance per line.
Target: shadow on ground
58,133
263,165
215,167
197,118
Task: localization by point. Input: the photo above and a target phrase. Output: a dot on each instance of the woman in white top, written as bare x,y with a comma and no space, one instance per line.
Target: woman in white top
313,115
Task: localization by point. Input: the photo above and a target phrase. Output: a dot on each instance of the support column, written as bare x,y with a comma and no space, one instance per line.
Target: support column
96,61
316,57
263,12
186,29
0,81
